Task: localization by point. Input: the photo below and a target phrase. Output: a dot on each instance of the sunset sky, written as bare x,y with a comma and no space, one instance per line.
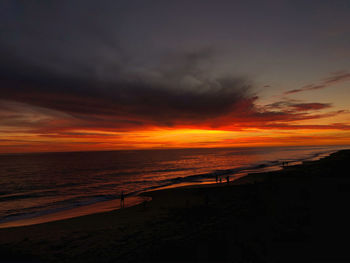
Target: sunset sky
109,75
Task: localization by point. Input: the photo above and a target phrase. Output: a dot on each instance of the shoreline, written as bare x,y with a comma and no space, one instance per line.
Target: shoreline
258,218
96,208
131,201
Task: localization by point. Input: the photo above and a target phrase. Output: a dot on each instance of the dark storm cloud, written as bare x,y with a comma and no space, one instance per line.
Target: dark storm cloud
163,97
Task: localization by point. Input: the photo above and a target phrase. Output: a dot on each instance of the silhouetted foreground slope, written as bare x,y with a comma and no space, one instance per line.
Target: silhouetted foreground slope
297,214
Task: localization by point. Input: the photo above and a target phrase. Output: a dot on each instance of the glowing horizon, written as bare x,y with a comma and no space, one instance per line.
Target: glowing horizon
170,139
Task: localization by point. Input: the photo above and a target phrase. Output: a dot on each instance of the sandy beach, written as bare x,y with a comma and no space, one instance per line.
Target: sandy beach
296,214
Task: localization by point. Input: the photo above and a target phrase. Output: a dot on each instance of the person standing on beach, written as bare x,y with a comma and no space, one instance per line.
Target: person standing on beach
122,199
228,179
216,177
220,179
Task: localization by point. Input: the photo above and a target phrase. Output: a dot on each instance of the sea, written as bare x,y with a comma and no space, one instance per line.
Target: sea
37,184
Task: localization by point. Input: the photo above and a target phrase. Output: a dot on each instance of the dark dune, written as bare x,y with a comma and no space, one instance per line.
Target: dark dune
298,214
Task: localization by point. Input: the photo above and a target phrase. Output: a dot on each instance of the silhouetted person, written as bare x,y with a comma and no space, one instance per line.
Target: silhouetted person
220,179
228,179
216,178
122,197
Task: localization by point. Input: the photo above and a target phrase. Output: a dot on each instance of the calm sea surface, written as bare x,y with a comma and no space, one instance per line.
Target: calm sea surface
36,184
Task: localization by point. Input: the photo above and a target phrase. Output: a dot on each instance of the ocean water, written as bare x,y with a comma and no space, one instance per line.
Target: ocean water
36,184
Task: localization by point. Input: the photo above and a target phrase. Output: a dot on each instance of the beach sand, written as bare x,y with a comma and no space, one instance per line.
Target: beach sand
296,214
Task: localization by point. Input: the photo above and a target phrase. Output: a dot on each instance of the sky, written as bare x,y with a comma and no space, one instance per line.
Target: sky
110,75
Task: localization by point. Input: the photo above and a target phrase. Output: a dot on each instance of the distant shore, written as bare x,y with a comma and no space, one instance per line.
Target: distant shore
261,217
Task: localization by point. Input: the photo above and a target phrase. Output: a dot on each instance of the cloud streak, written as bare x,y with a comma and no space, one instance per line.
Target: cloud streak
335,78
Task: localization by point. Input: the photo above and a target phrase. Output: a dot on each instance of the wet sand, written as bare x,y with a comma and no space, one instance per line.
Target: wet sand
296,214
77,212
